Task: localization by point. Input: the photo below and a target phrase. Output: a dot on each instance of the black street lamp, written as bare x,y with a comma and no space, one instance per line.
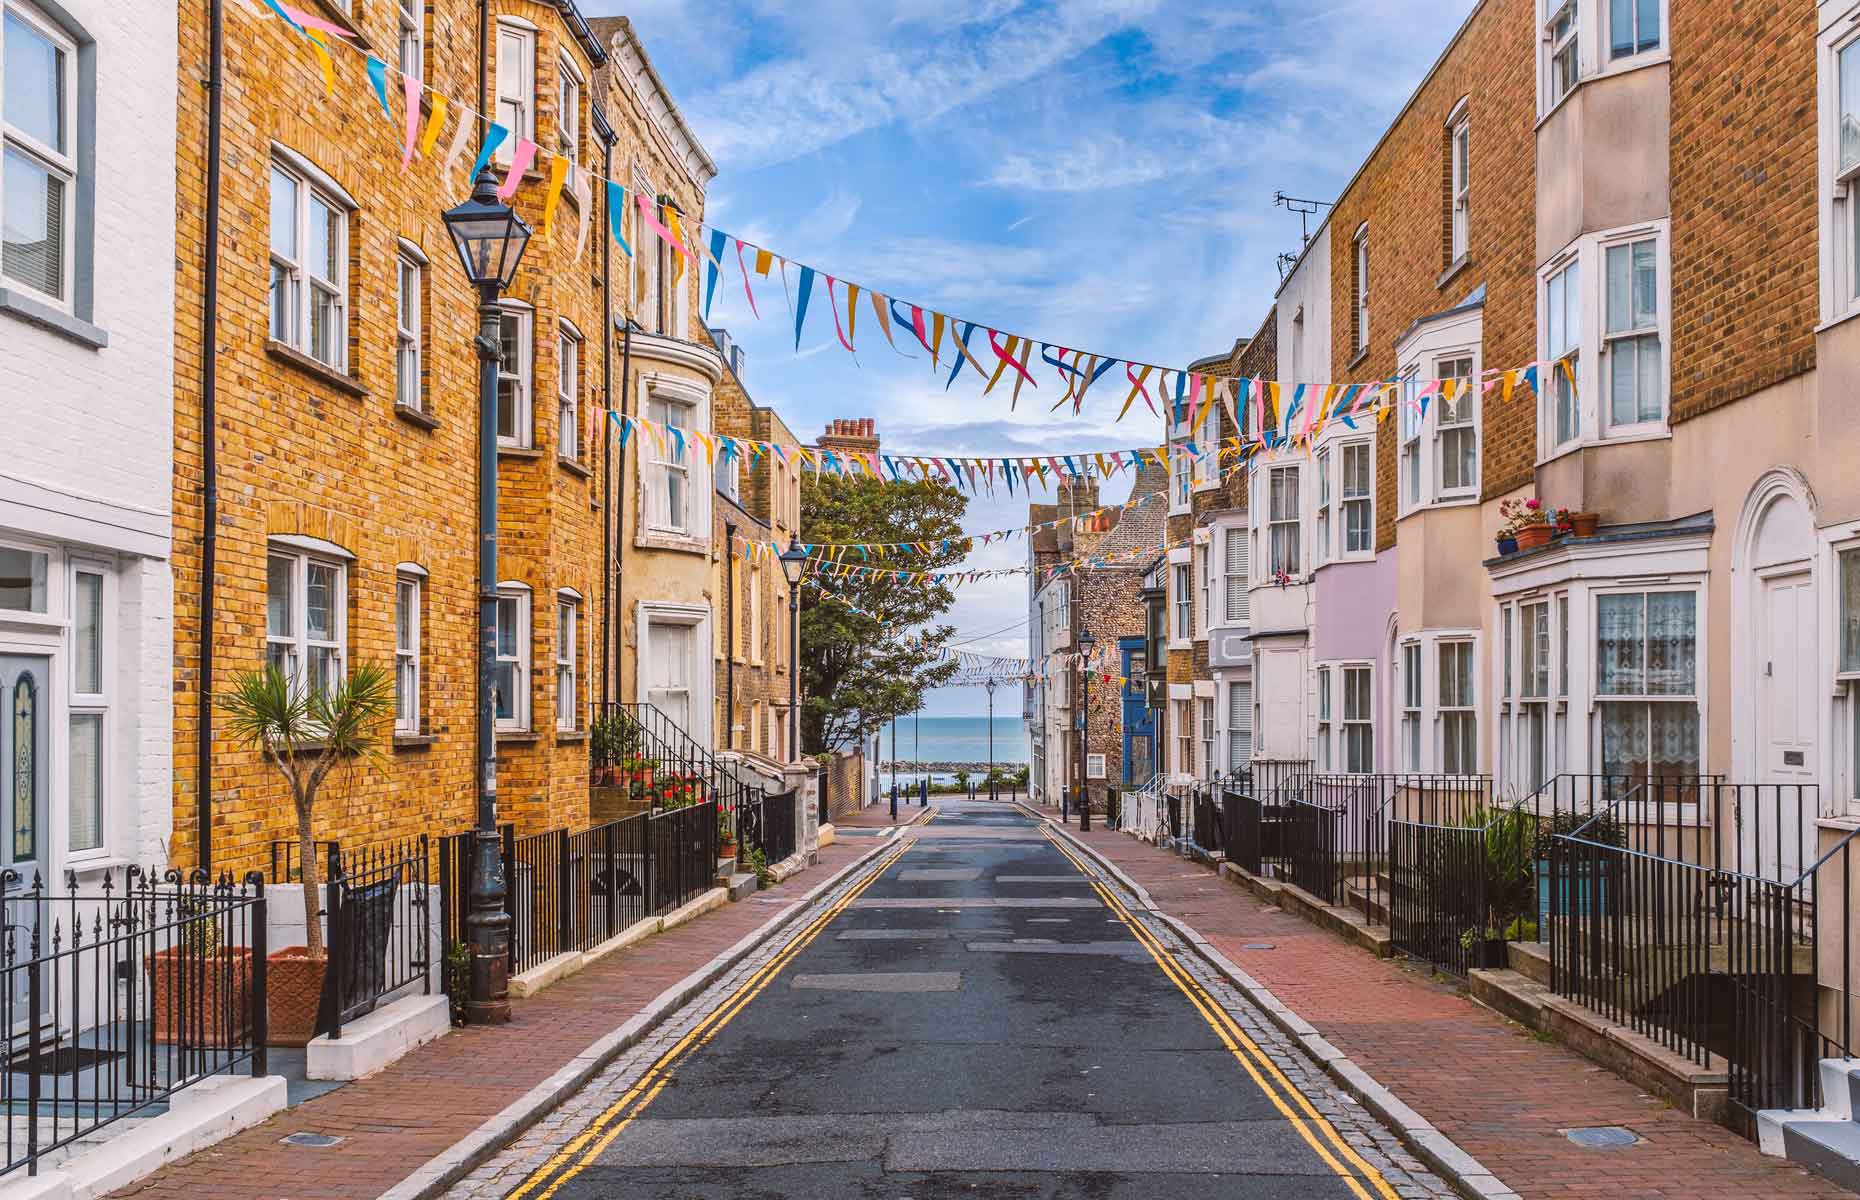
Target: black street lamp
490,237
1086,642
793,562
990,685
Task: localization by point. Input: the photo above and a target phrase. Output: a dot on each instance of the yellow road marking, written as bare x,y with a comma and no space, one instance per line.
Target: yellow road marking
1242,1047
648,1086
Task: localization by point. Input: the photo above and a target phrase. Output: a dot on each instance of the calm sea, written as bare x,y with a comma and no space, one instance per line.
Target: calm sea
956,739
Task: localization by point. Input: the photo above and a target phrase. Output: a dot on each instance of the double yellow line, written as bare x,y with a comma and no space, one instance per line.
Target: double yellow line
588,1145
1292,1104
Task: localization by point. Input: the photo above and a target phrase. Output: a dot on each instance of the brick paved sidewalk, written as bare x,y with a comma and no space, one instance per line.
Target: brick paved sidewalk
1488,1084
394,1121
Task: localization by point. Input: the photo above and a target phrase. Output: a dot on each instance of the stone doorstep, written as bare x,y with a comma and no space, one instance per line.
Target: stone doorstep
377,1039
827,835
789,867
1346,923
528,983
1703,1092
197,1117
432,1179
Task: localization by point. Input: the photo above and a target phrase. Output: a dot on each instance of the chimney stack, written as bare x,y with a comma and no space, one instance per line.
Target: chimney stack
858,435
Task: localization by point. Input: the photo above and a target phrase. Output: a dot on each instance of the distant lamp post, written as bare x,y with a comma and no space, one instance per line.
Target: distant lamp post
490,237
793,562
990,685
1086,643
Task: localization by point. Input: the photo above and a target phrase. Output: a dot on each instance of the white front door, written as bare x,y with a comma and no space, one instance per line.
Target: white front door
1776,842
668,685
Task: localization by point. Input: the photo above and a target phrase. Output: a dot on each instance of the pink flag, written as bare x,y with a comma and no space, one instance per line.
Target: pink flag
412,89
519,163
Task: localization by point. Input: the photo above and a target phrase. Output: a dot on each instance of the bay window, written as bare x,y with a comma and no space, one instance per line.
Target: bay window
1412,495
1562,43
669,497
515,372
1234,564
1534,675
1204,614
510,691
1562,344
1323,718
1646,683
1283,522
1322,550
1631,338
38,147
1358,748
1633,27
1459,722
1358,522
1604,329
306,617
1456,438
1411,684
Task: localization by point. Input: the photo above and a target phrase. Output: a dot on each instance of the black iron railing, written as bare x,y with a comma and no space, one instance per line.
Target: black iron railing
779,817
1683,909
683,845
380,929
1241,819
117,995
643,749
1369,804
1436,894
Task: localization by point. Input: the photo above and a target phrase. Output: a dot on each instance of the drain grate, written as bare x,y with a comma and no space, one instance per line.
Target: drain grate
1602,1137
309,1139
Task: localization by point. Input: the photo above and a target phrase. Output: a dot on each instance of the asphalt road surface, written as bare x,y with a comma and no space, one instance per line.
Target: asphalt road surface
972,1015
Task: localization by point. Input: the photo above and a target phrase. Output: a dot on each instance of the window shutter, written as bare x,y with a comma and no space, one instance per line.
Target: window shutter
1236,572
1239,724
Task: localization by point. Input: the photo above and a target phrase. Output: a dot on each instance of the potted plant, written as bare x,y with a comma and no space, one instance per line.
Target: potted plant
201,987
1529,522
1588,890
1507,539
303,732
726,834
1583,524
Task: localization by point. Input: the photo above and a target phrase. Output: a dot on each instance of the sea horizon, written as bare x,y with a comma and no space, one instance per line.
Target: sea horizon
957,739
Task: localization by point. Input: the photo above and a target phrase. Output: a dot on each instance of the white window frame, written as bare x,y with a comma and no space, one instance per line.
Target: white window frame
409,591
1599,699
1204,579
521,121
1182,628
1449,717
755,613
409,307
1365,500
1277,519
84,704
299,278
1324,732
295,644
520,375
1204,715
1562,38
1359,260
1846,687
1185,737
666,459
1239,724
1467,395
411,23
1181,477
1459,213
1413,674
1236,603
59,162
1320,542
1588,254
1350,718
567,659
1612,342
569,88
1607,12
1206,469
519,658
568,390
1839,189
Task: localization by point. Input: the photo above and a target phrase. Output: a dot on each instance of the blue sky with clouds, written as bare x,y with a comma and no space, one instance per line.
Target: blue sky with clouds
1096,173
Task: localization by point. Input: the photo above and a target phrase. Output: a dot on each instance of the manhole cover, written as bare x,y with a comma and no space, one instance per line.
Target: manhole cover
1259,946
309,1139
1602,1137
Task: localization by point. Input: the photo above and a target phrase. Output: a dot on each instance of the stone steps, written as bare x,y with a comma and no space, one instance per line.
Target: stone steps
1826,1140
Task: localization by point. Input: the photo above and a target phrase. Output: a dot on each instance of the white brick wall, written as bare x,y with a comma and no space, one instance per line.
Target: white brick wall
88,452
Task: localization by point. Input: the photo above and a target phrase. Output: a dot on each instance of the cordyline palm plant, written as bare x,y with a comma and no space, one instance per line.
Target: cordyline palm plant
304,732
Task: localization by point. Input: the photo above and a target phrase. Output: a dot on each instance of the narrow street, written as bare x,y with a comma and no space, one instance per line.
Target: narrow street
973,1015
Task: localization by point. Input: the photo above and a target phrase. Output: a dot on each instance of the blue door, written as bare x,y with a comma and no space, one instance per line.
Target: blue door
1139,731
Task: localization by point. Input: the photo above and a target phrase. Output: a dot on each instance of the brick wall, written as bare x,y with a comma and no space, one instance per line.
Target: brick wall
1106,602
1399,193
1743,176
308,453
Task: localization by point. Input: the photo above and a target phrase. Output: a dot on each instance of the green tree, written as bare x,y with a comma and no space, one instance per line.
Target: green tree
859,669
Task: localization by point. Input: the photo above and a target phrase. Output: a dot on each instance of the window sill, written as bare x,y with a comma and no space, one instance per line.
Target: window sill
315,368
1454,268
1357,358
519,452
564,737
98,864
1826,325
52,320
685,543
414,416
518,737
1838,824
415,741
574,467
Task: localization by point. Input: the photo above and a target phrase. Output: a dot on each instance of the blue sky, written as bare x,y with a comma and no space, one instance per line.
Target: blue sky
1097,173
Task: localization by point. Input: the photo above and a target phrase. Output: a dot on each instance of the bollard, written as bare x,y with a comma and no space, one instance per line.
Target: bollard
923,792
894,801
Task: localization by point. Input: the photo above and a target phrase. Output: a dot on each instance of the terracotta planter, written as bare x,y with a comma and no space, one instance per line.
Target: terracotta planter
202,999
293,994
1583,524
1532,536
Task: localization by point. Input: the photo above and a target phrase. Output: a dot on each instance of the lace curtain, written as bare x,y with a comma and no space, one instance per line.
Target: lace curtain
1647,645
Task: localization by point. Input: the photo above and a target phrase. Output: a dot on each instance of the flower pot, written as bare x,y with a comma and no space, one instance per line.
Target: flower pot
1489,954
1507,545
1532,536
1583,524
293,994
201,999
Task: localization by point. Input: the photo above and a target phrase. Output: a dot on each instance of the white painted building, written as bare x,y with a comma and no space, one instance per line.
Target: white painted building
87,326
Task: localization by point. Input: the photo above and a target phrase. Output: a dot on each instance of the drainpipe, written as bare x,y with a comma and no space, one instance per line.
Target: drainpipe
209,442
729,637
619,501
607,439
